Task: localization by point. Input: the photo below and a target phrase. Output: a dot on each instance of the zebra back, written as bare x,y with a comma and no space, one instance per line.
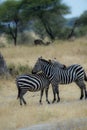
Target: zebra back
70,74
32,82
57,74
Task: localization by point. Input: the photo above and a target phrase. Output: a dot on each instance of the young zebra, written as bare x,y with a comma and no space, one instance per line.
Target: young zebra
57,75
32,83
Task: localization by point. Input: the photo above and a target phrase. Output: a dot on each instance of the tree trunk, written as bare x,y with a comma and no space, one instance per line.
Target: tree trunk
47,28
72,30
14,32
15,41
49,31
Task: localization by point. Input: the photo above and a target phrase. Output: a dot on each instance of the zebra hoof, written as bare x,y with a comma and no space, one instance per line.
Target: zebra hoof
86,97
53,101
81,97
58,100
20,103
25,104
48,102
40,103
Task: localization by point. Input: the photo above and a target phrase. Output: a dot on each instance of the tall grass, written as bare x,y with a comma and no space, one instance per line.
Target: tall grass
19,69
22,59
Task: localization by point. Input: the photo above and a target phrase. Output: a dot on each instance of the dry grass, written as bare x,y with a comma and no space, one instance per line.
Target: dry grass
13,116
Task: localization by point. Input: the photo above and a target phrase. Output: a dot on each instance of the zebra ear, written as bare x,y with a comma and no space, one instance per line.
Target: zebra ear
50,61
54,58
40,57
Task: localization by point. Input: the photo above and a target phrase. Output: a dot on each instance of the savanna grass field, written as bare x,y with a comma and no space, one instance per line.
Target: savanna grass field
69,114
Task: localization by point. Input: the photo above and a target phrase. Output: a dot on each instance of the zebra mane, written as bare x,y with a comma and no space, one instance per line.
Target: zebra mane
45,61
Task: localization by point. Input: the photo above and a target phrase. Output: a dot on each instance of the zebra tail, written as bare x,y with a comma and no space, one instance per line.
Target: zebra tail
85,77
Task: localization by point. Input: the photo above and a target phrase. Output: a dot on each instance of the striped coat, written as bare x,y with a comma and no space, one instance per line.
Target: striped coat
32,83
57,75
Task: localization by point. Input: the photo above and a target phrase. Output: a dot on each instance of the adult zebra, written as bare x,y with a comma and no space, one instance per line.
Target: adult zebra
57,75
33,83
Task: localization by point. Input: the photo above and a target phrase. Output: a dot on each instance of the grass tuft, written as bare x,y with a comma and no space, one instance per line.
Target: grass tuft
19,69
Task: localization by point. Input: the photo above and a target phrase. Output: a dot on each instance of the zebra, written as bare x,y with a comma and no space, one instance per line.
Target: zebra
58,75
56,63
32,83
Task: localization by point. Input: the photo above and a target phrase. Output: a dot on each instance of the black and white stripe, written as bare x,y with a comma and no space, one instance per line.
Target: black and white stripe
59,75
32,83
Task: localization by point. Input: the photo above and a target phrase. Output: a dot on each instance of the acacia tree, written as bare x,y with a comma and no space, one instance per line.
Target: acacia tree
82,20
82,24
45,11
16,14
10,17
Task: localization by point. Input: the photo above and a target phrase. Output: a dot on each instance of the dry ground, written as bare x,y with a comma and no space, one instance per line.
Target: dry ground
69,114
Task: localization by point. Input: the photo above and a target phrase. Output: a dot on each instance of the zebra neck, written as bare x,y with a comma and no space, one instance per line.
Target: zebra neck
47,70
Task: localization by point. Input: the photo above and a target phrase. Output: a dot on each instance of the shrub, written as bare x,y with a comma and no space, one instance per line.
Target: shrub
19,69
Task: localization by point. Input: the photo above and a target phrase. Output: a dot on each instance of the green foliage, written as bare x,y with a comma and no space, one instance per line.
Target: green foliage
81,25
10,17
49,12
19,69
16,14
81,31
9,10
23,69
39,29
83,19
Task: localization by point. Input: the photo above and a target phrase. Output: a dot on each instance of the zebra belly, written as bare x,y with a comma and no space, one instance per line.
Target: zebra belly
29,87
34,90
65,83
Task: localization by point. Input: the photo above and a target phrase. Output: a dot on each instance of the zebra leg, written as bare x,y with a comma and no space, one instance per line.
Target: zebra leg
46,91
82,95
57,92
54,94
81,86
41,94
86,95
84,87
21,97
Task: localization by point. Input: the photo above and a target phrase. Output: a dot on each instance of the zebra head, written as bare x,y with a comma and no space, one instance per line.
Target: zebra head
39,65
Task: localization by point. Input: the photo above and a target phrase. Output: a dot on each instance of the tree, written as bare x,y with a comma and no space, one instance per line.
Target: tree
45,11
82,20
82,24
16,14
10,17
72,32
